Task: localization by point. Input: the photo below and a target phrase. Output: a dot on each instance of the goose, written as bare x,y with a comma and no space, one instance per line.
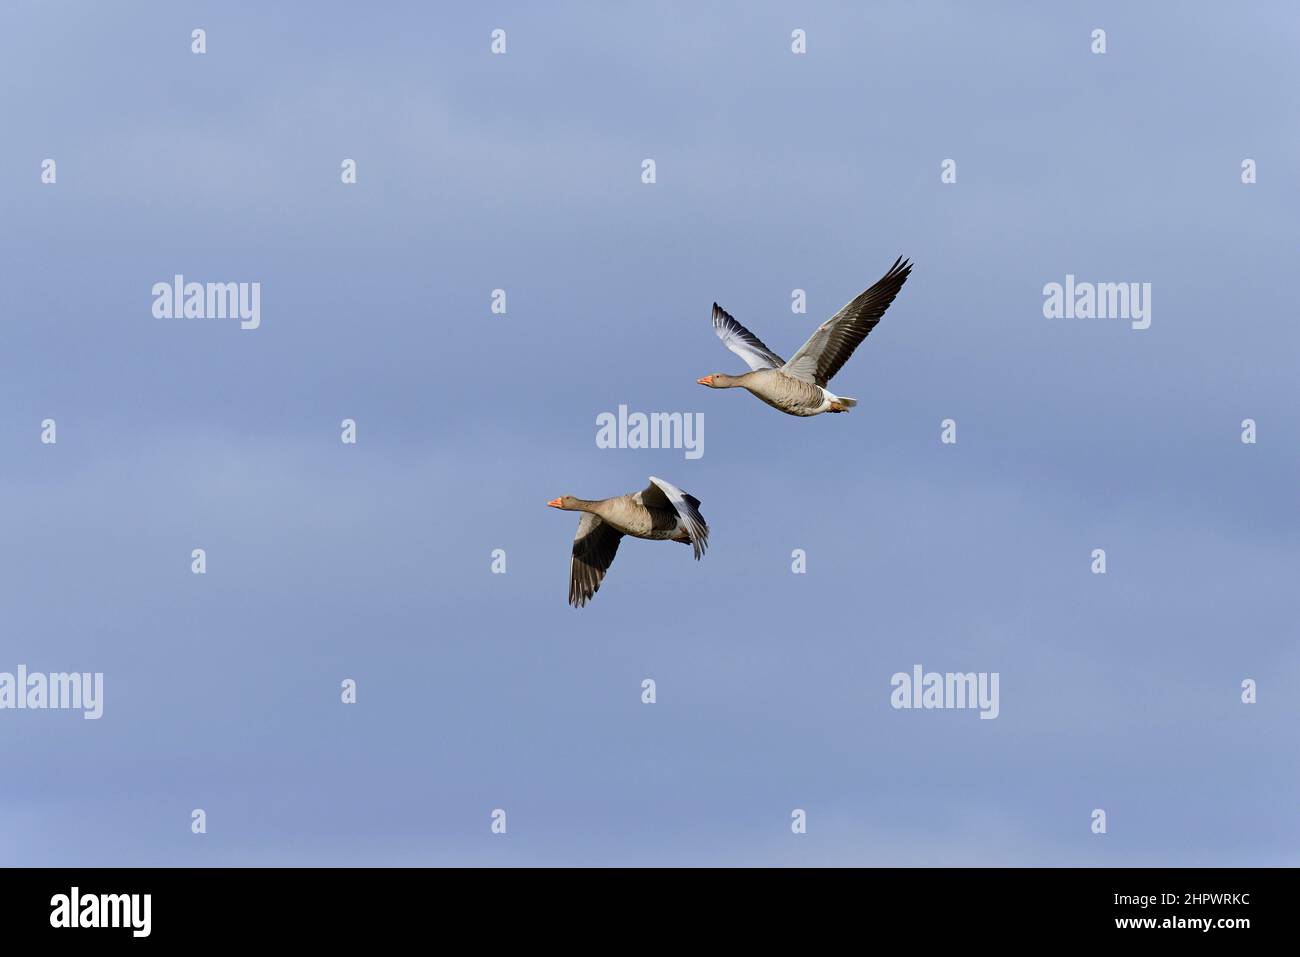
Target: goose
798,387
660,512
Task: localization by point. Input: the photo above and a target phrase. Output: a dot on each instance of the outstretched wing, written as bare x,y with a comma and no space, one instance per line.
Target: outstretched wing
835,339
594,548
743,342
661,494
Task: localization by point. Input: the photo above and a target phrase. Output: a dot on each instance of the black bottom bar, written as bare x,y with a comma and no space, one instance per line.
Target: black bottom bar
374,905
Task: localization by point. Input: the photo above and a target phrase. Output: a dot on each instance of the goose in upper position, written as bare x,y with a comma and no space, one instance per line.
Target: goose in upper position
798,387
660,512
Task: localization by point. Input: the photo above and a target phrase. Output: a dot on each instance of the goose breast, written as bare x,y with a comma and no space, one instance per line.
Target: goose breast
792,396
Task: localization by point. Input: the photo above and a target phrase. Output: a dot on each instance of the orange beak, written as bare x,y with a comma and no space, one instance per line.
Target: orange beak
554,503
705,380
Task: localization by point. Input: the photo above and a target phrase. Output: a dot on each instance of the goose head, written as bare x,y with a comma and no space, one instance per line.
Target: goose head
719,380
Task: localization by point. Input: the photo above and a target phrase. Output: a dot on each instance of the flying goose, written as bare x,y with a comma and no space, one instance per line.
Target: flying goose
798,387
660,512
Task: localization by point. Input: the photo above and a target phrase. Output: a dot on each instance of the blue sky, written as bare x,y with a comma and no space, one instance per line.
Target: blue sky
775,172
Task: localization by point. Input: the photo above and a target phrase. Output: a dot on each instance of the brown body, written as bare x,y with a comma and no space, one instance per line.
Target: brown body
786,393
628,515
660,512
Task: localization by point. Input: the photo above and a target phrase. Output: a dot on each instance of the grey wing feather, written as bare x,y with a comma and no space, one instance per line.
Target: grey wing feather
661,494
830,346
743,342
594,548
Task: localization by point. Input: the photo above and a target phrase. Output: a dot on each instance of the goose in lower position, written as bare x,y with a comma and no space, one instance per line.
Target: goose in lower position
798,387
660,512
